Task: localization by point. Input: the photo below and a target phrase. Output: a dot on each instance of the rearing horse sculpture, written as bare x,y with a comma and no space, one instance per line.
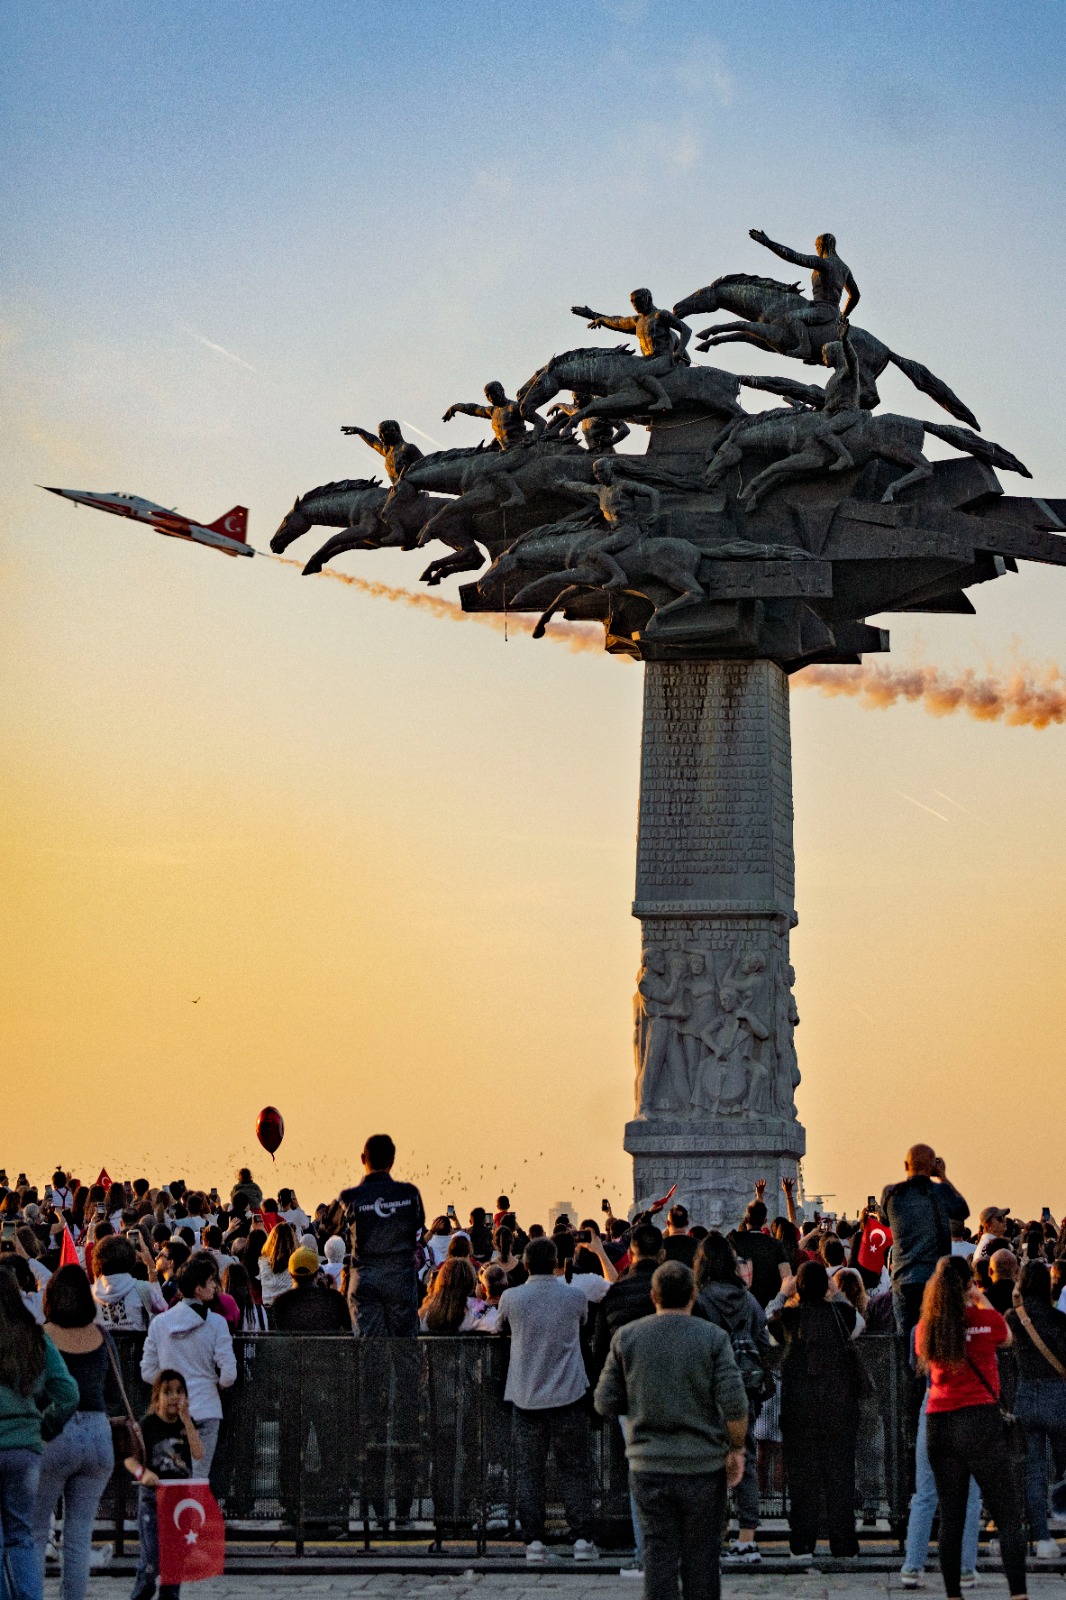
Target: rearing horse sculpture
767,306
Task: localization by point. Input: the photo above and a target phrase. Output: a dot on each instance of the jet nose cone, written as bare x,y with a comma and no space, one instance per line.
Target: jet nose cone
49,490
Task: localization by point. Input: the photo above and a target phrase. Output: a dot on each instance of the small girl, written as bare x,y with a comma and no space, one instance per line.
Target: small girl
171,1445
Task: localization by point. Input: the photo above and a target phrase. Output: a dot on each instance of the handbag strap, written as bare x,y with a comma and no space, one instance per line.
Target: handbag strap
113,1358
1027,1323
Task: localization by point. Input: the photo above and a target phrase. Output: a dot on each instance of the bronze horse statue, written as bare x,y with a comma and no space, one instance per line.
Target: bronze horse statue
768,307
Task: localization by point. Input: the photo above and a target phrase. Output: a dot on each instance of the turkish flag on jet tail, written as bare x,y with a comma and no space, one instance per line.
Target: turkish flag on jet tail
192,1534
876,1238
68,1255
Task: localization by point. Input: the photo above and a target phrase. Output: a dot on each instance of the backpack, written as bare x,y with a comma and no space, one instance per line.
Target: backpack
755,1375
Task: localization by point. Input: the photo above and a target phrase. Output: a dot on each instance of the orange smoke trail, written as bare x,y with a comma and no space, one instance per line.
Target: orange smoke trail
1023,696
575,635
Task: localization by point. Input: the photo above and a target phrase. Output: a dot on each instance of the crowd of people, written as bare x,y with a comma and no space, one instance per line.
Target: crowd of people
681,1333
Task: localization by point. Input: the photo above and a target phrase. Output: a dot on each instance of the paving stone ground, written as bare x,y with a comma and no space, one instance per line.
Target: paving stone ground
552,1585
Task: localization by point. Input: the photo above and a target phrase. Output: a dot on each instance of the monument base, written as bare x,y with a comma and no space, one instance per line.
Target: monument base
714,1163
715,1015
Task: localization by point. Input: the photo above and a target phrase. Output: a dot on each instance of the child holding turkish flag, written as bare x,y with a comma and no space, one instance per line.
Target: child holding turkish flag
171,1445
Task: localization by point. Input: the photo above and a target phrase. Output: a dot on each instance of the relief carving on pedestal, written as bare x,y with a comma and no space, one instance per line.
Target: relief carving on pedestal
714,1033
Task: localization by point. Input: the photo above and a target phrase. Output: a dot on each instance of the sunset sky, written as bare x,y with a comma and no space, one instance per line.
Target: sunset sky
392,857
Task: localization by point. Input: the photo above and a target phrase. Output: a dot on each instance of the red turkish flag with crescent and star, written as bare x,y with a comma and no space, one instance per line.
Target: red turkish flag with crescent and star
192,1534
876,1238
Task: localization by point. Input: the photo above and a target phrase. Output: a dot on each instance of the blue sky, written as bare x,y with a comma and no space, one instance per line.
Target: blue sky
228,230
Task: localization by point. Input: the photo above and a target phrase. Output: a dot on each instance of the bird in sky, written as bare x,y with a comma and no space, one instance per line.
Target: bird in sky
196,1002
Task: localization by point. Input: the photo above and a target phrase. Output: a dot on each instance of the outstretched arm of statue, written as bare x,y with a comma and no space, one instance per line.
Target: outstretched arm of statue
853,296
796,394
471,409
596,319
368,438
587,491
621,431
798,259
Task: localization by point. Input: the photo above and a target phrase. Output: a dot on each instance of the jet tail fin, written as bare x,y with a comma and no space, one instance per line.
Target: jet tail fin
234,524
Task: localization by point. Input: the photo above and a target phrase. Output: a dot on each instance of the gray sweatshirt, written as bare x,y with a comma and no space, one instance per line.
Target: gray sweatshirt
675,1381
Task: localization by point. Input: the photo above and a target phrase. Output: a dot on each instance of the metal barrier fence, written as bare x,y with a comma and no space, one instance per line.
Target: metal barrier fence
329,1437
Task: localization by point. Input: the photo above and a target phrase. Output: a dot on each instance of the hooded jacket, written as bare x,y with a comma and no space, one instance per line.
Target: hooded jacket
735,1309
125,1302
200,1348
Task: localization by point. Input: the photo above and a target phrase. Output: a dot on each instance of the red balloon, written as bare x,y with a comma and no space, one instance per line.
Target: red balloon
270,1129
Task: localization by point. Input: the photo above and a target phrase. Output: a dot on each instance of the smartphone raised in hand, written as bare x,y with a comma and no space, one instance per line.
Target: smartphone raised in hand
605,1205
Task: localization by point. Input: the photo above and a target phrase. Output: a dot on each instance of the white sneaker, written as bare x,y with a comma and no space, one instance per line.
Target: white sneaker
1047,1550
535,1550
585,1550
748,1553
967,1580
631,1572
803,1558
912,1577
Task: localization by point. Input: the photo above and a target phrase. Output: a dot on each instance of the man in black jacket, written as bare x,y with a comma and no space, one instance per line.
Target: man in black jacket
387,1218
630,1297
626,1301
920,1211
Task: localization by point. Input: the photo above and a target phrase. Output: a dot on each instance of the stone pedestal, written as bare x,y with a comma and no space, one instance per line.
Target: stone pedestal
714,1012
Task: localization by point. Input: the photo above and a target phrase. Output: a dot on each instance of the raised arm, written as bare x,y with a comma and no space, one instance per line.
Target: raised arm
467,410
596,319
368,438
798,259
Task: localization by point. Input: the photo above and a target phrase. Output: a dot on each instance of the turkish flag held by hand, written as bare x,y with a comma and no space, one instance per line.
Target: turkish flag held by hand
68,1255
192,1534
876,1238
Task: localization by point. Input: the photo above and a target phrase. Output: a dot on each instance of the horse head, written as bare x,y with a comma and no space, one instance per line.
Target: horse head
292,526
743,293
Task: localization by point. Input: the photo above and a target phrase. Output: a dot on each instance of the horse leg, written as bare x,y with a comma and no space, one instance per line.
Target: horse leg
556,605
677,576
920,470
467,558
737,333
350,539
801,465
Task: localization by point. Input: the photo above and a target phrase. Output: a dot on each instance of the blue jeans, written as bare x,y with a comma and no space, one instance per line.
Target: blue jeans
76,1464
923,1509
19,1474
1040,1406
148,1565
208,1432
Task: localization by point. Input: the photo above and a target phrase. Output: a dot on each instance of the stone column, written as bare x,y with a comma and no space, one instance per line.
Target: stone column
714,1013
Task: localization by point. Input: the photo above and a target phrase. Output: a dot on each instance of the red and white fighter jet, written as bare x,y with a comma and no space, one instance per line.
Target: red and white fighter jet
228,534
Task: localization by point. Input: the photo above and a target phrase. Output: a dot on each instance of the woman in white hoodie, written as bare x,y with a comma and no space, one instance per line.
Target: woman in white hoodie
124,1301
191,1339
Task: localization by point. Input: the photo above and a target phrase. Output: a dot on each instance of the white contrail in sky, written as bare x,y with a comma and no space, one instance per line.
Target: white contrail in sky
422,434
219,349
922,806
952,802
